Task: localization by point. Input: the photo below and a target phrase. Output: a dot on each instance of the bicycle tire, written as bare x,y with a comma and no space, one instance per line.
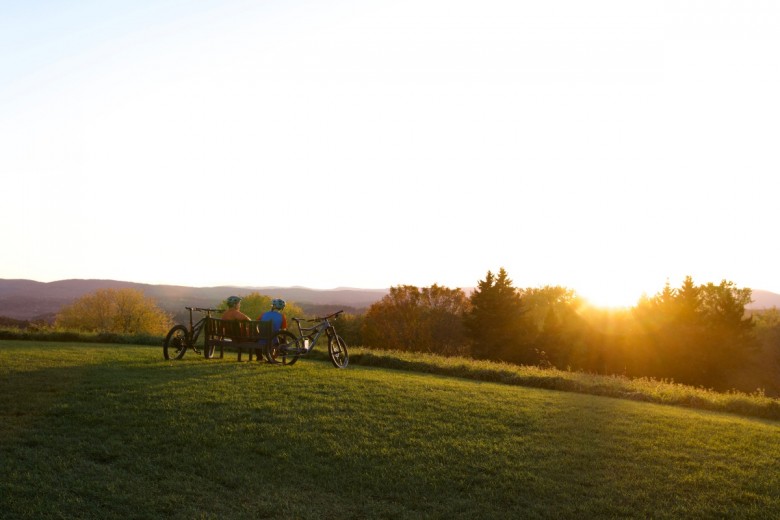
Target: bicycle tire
282,348
337,351
176,342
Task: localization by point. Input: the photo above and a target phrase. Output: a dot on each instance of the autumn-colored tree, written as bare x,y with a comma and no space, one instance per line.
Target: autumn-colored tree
422,320
121,311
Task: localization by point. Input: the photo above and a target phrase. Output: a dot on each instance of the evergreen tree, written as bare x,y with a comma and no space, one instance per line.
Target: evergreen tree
688,300
697,334
495,324
727,338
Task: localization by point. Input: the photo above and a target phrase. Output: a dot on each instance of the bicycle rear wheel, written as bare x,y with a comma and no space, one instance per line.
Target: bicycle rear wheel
176,342
337,349
282,348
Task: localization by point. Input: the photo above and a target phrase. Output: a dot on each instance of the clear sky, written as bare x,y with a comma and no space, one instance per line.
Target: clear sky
605,146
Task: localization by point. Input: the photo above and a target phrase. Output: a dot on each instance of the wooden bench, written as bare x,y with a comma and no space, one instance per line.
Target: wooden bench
235,335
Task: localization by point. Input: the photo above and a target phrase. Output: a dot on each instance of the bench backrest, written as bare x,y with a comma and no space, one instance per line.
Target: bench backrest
238,330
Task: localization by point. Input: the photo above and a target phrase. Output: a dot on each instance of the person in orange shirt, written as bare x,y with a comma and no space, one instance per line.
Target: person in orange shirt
233,311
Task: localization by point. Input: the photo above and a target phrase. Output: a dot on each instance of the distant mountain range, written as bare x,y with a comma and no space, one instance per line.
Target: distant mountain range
31,300
764,300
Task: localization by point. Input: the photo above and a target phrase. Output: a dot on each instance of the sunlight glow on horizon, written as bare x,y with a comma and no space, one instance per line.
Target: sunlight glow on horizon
604,146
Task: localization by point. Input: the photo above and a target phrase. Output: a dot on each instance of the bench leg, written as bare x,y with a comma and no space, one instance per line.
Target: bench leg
256,352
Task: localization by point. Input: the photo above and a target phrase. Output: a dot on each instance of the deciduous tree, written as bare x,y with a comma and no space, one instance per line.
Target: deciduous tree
121,311
554,326
423,320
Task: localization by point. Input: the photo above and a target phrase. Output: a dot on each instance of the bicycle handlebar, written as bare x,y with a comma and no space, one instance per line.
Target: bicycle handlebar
201,309
334,315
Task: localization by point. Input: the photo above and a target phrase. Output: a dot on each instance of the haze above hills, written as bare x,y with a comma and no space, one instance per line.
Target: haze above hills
29,299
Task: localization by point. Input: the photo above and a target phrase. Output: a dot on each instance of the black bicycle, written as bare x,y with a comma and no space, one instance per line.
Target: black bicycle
285,348
180,338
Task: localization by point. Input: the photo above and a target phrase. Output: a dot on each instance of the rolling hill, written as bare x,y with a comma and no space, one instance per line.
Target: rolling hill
106,432
29,300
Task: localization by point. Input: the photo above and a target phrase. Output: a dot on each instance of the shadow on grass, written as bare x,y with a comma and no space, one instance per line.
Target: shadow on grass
124,434
646,390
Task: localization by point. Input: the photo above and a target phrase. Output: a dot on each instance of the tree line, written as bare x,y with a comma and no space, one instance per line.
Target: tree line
129,311
693,334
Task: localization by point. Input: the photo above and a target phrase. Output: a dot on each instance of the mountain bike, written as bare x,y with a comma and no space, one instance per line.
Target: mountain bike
180,338
285,348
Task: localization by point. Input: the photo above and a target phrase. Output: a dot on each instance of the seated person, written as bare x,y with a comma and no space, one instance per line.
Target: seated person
275,316
277,319
233,311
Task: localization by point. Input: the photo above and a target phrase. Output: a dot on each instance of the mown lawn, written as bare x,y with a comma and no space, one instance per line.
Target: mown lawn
112,431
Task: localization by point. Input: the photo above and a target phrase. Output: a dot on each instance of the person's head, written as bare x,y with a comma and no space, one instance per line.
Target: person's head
233,301
277,304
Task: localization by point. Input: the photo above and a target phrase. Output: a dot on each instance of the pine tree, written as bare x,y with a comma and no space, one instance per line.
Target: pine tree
495,325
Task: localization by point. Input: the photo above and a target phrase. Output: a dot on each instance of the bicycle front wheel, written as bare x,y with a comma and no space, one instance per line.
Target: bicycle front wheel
176,342
337,349
282,348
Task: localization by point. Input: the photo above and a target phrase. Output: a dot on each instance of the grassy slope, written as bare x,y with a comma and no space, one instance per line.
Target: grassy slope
756,404
107,431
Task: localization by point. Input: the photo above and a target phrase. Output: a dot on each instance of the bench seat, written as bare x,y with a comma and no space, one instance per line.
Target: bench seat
236,335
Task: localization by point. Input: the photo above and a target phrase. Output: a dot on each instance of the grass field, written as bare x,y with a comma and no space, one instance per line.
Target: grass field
113,431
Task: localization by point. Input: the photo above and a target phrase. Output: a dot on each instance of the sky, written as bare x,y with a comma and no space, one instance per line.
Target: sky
606,146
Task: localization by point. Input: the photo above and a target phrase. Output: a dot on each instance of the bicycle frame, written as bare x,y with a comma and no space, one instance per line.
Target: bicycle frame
310,335
180,338
195,329
285,347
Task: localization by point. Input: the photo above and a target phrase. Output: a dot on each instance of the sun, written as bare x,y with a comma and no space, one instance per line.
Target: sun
611,297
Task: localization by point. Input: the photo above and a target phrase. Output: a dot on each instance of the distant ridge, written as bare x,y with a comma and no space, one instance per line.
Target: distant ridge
28,299
764,300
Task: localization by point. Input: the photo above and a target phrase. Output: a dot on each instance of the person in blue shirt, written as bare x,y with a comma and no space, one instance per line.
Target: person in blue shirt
277,319
275,316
